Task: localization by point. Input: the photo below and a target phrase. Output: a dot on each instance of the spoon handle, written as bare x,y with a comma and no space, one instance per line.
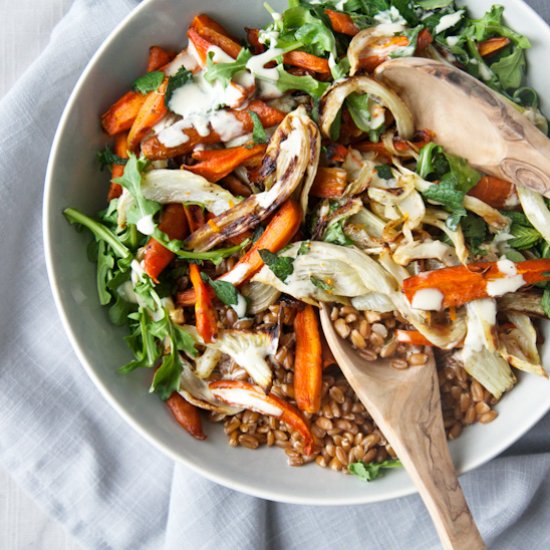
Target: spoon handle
425,455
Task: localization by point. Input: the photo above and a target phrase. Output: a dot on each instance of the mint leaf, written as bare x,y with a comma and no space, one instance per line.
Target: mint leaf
282,266
475,233
107,158
372,470
524,237
148,82
322,284
334,234
446,194
258,132
225,291
182,77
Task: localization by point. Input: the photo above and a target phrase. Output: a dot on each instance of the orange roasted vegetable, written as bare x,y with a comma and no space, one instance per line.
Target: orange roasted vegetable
205,314
308,360
121,115
278,233
158,58
492,45
151,112
465,283
186,414
412,337
215,164
195,216
307,61
204,32
329,183
495,192
342,22
117,170
156,257
243,394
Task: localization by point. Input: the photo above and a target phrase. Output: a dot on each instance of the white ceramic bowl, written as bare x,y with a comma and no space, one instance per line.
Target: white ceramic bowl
73,180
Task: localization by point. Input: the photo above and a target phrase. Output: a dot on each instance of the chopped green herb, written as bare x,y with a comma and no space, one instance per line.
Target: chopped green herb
259,134
322,284
446,194
107,158
224,72
148,82
182,77
384,171
225,291
335,234
282,266
306,83
304,248
372,470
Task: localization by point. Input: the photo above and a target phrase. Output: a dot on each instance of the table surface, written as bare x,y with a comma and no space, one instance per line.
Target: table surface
25,28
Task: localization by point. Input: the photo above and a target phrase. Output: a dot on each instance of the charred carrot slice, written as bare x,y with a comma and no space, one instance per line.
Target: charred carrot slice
253,38
158,57
117,170
278,233
202,21
235,186
424,40
205,32
329,183
455,286
205,316
186,414
308,360
152,110
195,216
307,61
492,45
121,115
218,163
243,394
153,149
342,23
156,257
495,192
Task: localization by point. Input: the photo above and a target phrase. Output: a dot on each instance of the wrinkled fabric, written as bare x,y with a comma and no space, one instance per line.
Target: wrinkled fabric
74,455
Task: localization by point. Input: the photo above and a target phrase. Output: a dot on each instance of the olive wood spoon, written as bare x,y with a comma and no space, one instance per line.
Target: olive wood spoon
471,120
405,404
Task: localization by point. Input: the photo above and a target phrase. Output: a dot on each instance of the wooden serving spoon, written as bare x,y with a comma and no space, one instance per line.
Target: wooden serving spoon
406,406
471,120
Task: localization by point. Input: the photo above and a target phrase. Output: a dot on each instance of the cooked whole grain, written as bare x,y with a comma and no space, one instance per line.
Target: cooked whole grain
342,430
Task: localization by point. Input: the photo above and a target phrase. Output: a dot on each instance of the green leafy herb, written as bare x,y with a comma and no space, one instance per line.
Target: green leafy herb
304,248
107,158
182,77
524,237
148,82
335,234
259,134
225,291
131,180
341,69
258,232
384,171
446,194
545,301
282,266
119,311
475,233
510,70
322,284
105,265
306,83
432,163
410,49
464,176
372,470
360,107
224,72
434,4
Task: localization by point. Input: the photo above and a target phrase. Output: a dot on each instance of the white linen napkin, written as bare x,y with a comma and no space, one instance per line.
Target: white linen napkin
73,454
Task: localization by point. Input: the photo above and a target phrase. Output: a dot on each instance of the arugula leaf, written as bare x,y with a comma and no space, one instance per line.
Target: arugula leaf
446,194
320,283
259,134
510,70
131,180
410,49
104,273
182,77
306,83
282,266
372,470
335,234
148,82
224,72
341,69
432,163
406,9
434,4
141,341
107,158
360,109
464,175
225,291
384,171
119,311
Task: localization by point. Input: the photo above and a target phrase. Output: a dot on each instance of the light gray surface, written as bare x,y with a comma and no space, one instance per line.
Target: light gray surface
510,493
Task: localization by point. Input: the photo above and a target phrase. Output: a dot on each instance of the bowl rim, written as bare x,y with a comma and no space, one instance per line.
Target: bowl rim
53,277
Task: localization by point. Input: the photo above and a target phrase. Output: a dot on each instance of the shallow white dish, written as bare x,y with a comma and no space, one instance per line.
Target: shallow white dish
73,180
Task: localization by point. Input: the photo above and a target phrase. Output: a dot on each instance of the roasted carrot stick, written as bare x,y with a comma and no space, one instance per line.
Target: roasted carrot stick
202,21
153,149
204,35
495,192
335,152
205,315
412,337
455,286
342,23
278,233
117,170
121,115
329,183
492,45
235,186
239,393
195,216
327,357
253,38
158,57
156,257
186,414
152,110
217,163
307,61
308,360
